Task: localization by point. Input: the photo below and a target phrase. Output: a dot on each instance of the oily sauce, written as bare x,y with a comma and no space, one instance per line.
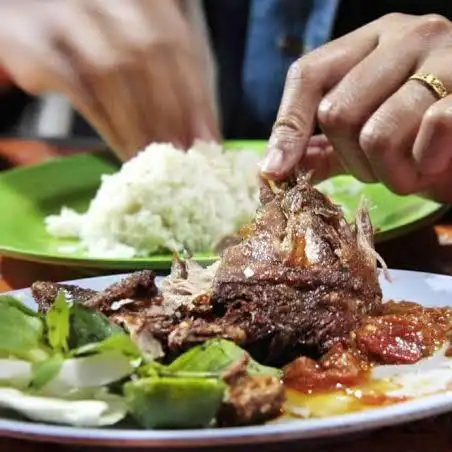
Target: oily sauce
340,382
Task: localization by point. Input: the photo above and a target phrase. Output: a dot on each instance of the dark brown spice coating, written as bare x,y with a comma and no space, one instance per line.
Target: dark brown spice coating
301,279
251,400
44,293
138,287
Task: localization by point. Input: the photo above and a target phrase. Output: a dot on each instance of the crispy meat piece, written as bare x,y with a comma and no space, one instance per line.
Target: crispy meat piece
139,287
252,400
44,293
136,292
189,333
301,278
134,303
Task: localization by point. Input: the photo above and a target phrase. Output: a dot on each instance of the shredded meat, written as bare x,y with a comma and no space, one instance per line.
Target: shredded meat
140,287
250,399
302,277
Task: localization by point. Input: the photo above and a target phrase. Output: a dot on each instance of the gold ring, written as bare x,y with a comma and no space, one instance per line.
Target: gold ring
433,83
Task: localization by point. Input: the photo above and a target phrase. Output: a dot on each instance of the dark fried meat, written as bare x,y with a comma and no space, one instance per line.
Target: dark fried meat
298,282
135,293
133,303
139,286
192,332
252,400
44,293
302,277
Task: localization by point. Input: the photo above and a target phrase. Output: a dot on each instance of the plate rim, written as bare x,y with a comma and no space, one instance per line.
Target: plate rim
338,425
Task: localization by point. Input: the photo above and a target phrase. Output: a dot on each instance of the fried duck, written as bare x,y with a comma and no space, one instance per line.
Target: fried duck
297,283
300,279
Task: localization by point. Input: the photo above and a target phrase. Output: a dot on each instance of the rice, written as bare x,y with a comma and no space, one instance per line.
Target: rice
164,199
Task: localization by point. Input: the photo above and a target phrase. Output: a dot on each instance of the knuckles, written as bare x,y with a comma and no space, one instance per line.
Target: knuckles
439,116
421,29
379,144
402,187
304,71
431,25
337,115
427,28
375,139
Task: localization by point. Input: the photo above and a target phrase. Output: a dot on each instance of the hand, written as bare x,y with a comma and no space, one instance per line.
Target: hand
132,68
5,81
378,125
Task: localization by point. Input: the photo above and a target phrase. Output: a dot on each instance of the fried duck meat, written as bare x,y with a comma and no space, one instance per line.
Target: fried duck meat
298,282
301,278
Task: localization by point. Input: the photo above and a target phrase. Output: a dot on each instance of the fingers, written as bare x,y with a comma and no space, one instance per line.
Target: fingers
26,53
83,45
323,161
155,91
408,142
343,112
128,67
112,73
388,138
380,125
432,149
307,81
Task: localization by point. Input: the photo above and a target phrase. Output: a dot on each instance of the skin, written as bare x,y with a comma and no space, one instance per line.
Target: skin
117,63
377,125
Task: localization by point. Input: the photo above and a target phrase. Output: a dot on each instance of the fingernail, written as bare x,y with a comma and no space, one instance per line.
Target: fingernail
272,162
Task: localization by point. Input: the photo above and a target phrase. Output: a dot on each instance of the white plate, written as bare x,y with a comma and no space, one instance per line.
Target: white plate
424,288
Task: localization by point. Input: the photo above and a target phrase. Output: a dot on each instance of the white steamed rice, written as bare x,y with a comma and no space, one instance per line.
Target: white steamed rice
165,199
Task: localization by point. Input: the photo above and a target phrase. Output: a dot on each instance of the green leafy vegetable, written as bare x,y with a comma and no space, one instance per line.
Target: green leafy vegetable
120,342
174,402
215,356
45,371
15,303
21,331
88,326
57,321
89,358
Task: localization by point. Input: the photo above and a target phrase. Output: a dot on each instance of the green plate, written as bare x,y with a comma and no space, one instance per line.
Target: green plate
28,195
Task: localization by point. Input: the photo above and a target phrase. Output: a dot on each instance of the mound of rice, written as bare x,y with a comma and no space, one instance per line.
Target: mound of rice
164,199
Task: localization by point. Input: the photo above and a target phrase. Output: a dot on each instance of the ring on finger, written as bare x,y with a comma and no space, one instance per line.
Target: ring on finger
433,83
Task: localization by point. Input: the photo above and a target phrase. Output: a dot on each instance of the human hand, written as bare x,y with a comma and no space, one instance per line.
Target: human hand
5,81
378,125
132,68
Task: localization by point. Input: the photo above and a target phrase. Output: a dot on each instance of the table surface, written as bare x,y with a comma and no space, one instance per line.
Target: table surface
428,249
